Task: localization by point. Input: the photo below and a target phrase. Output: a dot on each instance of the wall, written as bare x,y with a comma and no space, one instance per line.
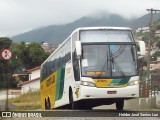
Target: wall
34,85
3,95
34,74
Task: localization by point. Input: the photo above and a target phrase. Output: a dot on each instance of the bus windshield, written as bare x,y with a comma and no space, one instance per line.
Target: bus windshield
108,60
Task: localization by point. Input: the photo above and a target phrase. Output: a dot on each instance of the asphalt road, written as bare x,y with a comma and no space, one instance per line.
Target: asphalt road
99,113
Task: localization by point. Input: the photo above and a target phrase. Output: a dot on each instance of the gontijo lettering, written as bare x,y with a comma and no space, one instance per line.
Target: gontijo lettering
50,81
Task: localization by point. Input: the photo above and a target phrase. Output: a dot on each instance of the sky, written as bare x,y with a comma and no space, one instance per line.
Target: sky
18,16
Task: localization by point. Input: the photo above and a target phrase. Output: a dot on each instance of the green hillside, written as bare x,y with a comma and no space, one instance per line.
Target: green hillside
57,33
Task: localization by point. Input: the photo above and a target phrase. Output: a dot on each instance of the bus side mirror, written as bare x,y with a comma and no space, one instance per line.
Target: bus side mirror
141,48
78,49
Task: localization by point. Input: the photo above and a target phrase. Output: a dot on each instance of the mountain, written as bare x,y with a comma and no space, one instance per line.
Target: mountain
143,21
56,34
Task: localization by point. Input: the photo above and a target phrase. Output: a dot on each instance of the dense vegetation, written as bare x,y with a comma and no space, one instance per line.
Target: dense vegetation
24,56
28,55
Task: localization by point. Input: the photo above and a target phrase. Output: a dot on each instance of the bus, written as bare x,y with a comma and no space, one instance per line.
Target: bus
94,66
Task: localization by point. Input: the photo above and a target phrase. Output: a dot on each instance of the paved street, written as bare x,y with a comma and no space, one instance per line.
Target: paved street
2,105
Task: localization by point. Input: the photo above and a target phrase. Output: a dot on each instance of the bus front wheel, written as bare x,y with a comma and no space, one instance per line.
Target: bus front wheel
120,104
73,105
78,105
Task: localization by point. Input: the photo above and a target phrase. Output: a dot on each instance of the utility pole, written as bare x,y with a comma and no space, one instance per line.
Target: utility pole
151,11
6,55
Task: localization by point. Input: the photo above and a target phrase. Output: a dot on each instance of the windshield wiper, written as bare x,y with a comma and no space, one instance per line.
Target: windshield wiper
106,63
116,54
116,64
119,51
110,59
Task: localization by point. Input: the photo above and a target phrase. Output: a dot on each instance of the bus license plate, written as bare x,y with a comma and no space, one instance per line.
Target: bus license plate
111,92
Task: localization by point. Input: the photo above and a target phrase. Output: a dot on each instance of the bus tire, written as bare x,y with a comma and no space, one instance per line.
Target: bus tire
73,105
120,104
47,104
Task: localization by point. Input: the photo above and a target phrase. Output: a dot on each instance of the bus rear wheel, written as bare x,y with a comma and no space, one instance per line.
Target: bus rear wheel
47,104
120,104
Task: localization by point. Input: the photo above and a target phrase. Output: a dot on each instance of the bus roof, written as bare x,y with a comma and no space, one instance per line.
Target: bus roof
101,28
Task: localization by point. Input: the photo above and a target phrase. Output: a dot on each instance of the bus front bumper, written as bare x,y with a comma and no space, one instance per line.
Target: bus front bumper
127,92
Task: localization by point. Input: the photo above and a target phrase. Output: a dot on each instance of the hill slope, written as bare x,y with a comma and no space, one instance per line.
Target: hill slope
57,33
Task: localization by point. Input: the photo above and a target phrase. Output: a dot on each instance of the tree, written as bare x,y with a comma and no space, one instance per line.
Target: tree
158,44
155,55
157,25
5,68
20,54
5,42
24,56
28,55
36,54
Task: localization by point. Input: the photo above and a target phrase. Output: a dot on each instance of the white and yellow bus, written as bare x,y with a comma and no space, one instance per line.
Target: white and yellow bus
93,66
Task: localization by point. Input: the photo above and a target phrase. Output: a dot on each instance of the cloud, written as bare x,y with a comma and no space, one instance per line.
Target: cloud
18,16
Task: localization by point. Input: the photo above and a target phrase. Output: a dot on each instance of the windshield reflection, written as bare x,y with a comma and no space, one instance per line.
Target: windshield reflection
109,61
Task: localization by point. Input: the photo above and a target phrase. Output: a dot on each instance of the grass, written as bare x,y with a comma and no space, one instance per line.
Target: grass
27,101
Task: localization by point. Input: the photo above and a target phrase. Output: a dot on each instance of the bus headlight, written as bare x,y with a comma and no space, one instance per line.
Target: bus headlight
134,82
87,83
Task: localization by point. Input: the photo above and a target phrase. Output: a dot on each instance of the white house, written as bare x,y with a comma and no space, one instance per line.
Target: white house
34,80
143,29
